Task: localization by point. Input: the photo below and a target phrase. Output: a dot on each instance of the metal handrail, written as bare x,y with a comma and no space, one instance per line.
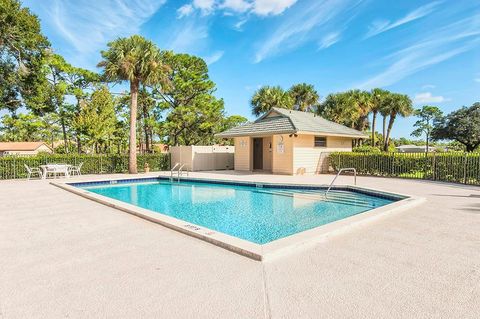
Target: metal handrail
338,174
172,170
180,171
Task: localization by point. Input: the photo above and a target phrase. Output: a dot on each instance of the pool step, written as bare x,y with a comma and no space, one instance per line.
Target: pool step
333,197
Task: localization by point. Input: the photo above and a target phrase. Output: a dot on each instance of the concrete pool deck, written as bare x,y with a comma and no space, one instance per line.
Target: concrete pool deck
62,255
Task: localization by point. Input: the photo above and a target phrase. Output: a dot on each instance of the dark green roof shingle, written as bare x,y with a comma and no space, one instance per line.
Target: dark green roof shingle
283,121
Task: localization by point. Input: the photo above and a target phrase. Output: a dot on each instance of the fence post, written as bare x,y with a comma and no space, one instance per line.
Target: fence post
425,165
465,168
14,167
477,182
393,164
434,163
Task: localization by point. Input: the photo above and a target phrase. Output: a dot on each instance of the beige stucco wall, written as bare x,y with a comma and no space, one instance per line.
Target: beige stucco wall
203,158
44,148
309,159
243,151
282,157
297,156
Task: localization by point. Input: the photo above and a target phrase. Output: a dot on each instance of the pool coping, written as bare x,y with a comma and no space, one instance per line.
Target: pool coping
274,249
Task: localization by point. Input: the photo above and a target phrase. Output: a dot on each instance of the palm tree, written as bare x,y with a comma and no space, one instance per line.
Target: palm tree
400,105
339,108
305,97
137,60
378,104
361,101
364,104
268,97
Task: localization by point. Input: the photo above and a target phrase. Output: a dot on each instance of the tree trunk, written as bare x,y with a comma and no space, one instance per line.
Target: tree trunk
140,137
427,142
374,119
52,142
132,158
470,147
146,128
77,133
79,144
384,128
389,130
64,132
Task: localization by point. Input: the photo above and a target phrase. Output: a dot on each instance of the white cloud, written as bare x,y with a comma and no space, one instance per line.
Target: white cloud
296,28
189,35
257,7
380,26
329,40
214,57
439,45
184,11
428,86
205,6
271,7
428,97
87,28
236,5
238,26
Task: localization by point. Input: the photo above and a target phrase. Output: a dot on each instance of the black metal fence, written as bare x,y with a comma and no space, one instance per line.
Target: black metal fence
12,167
449,167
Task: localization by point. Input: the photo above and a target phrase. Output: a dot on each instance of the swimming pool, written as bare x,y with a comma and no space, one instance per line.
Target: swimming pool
256,214
253,219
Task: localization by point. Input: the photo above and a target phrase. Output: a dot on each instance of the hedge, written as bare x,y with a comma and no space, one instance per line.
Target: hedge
449,167
12,167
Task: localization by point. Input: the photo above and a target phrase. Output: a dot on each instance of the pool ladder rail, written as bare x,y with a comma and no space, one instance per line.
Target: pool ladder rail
338,174
179,171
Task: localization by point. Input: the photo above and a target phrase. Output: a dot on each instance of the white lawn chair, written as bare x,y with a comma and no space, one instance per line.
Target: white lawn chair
75,170
33,171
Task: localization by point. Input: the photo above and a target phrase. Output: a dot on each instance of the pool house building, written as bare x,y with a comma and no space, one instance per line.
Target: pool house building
289,142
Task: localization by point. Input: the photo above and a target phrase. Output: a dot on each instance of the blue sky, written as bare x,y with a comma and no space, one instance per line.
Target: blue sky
429,50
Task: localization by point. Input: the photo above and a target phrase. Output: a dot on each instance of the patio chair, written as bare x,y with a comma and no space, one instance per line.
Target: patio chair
76,170
33,171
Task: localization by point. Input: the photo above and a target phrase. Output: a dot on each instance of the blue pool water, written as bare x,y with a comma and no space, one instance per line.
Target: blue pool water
259,215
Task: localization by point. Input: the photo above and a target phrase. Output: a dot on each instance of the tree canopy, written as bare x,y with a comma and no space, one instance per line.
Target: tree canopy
305,97
424,125
22,48
462,126
350,108
300,97
268,97
192,113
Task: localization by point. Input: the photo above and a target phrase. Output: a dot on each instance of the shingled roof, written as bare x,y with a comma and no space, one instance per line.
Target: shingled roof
20,146
283,121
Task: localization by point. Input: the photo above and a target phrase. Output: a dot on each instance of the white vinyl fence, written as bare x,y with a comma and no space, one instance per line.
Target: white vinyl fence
203,158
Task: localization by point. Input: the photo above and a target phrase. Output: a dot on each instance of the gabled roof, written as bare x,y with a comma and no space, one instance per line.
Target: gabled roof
20,146
284,121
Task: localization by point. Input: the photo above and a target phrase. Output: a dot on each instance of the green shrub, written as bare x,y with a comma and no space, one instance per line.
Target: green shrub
450,167
367,149
12,167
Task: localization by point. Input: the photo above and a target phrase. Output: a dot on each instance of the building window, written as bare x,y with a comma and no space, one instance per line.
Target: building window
320,141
